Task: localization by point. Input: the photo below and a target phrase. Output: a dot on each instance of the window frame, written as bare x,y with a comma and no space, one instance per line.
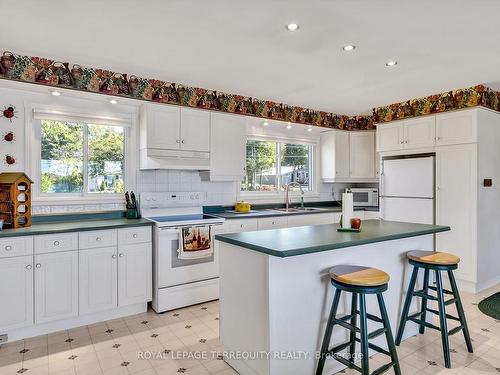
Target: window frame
278,193
33,159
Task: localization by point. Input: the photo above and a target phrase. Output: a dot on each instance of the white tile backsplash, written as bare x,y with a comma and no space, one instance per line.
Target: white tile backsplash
218,193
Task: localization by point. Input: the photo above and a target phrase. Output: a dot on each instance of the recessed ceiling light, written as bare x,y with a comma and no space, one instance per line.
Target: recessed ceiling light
113,101
292,26
391,63
265,123
310,129
349,47
55,93
289,126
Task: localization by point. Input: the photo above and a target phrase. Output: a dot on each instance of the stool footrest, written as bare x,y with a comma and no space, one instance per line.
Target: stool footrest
414,319
422,294
445,291
347,363
435,312
339,347
383,368
372,317
346,325
455,330
376,333
375,347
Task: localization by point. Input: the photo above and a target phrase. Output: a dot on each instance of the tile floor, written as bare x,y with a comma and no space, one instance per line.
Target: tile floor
113,347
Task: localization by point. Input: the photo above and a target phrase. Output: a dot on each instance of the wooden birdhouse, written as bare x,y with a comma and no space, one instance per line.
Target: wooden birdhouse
15,199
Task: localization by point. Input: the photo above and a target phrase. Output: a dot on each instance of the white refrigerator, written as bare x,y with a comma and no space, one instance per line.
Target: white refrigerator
407,190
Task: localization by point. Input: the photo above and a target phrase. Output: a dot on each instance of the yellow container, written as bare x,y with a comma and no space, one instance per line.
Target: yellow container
242,207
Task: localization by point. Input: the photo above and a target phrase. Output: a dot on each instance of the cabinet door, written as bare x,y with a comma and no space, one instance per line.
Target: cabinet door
16,291
362,153
341,154
98,278
227,147
372,215
390,136
242,225
272,223
419,132
163,127
195,130
456,205
456,128
312,219
134,273
56,286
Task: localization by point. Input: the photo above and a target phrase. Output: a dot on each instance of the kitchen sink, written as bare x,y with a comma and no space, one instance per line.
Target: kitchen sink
296,209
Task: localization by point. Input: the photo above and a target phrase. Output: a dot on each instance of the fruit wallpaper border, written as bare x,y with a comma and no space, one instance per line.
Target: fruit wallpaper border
478,95
50,72
73,76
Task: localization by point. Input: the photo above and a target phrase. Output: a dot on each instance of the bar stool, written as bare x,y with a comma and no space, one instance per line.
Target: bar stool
438,262
361,281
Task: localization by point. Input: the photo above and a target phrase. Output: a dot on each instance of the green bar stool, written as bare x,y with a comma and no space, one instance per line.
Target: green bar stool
359,281
437,262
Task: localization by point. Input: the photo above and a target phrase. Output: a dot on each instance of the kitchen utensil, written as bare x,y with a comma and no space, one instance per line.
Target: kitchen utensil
242,207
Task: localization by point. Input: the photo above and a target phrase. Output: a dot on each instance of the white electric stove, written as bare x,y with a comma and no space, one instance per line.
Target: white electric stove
179,282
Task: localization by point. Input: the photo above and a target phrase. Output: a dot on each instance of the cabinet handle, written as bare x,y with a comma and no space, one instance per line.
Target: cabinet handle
113,256
8,248
438,138
121,255
177,141
241,225
273,223
28,267
56,243
182,141
98,239
38,265
134,235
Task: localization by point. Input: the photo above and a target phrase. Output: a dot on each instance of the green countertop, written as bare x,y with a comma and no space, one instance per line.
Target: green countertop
73,226
312,239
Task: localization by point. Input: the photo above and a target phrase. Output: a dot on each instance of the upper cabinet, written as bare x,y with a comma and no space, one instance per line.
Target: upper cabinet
227,148
174,137
426,132
347,156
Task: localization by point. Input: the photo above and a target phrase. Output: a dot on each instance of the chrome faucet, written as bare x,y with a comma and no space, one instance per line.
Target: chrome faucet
287,196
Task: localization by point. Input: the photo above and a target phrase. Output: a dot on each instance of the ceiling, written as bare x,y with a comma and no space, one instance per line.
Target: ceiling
243,47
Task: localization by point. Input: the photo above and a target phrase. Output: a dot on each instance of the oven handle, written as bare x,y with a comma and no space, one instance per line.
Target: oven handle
189,226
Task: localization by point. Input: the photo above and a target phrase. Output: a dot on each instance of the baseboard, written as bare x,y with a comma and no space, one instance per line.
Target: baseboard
83,320
475,287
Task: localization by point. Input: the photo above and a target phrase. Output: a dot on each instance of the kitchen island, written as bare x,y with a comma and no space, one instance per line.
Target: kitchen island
275,291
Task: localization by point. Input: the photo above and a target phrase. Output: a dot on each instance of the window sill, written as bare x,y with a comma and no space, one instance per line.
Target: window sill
268,196
58,201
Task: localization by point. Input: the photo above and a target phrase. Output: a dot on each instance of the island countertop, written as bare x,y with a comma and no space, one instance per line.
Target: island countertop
312,239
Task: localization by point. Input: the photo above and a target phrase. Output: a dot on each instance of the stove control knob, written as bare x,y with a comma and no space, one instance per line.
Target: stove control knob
148,199
197,196
191,196
154,199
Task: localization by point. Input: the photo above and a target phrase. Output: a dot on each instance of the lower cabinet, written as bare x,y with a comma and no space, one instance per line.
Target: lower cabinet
56,286
98,279
313,219
16,291
134,273
272,223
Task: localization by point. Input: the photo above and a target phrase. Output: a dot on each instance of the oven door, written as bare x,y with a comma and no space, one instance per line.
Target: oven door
170,270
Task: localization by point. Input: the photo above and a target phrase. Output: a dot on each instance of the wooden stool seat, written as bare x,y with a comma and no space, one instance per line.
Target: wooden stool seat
358,275
433,257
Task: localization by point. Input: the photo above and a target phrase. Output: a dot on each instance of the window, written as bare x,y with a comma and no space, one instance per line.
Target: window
79,158
270,166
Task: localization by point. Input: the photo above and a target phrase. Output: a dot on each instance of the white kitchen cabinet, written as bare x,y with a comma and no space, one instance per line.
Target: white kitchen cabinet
16,291
390,136
98,279
241,225
56,286
51,243
456,127
134,273
275,222
160,127
97,238
360,214
372,215
195,130
139,234
347,156
16,246
419,132
361,155
456,176
227,148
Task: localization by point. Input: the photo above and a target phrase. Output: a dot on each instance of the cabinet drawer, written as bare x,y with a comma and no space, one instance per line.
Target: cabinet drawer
50,243
272,223
15,246
242,225
97,238
134,235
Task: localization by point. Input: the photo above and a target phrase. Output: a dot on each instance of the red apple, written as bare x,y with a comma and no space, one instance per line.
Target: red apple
355,223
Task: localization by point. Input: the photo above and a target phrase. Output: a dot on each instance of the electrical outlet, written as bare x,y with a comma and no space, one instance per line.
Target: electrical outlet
4,338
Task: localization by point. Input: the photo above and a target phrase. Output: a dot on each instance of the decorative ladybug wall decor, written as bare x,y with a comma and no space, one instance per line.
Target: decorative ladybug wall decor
9,112
8,137
9,159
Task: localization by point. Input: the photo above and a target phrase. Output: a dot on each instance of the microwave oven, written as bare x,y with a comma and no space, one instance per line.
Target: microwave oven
365,197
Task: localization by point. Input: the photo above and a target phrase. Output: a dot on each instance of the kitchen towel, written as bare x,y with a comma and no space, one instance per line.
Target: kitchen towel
347,209
196,242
